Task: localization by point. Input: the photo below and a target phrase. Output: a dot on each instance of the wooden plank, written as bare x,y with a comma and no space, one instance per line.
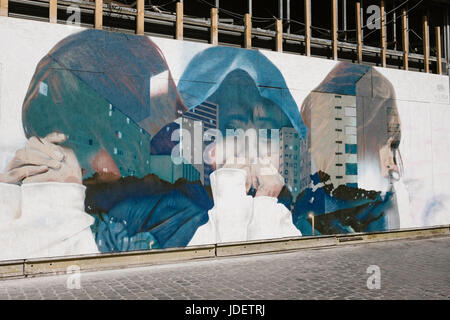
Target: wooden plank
11,269
98,14
140,17
394,25
426,45
4,8
117,260
358,31
405,40
214,32
383,34
179,22
334,31
53,11
438,50
279,36
247,31
274,245
308,27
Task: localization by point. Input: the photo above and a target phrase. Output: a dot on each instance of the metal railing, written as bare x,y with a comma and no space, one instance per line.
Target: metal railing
211,30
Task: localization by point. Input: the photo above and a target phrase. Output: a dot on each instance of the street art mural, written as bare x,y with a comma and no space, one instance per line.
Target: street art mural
135,143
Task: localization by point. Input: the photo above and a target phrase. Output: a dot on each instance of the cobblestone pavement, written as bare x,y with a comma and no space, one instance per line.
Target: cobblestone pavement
410,269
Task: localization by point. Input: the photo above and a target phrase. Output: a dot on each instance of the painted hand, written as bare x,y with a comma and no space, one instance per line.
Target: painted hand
269,181
43,160
242,163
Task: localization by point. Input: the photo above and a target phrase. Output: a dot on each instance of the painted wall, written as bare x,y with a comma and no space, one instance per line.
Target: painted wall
113,142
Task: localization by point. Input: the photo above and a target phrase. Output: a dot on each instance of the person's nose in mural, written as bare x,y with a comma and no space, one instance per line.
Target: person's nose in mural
103,163
243,109
389,160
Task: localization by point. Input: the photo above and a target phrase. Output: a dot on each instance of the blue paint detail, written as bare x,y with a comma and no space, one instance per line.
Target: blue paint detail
113,236
161,143
351,148
338,215
351,169
343,79
315,178
171,217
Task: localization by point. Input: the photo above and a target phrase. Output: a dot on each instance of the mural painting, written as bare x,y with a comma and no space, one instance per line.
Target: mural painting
125,150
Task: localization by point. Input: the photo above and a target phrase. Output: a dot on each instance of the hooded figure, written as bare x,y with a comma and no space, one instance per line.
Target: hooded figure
248,88
251,96
352,122
107,94
113,97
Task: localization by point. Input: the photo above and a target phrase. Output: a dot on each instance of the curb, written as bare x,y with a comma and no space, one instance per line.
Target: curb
14,269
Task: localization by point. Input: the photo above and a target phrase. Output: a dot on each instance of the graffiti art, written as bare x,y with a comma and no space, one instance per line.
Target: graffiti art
140,143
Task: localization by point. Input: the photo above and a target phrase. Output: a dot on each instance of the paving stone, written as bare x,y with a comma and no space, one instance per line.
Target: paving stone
410,269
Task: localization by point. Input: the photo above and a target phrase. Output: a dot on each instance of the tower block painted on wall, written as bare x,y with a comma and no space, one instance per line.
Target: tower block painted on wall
294,165
334,138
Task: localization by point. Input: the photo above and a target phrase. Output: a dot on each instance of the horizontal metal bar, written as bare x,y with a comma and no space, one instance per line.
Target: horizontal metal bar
203,25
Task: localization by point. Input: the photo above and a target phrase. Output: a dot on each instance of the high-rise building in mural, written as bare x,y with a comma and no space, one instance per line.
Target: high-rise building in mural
193,125
305,165
334,137
189,165
207,114
349,135
167,170
186,161
127,130
294,164
191,144
126,142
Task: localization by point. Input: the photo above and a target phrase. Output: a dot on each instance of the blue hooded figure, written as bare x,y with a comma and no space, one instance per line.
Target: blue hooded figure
244,89
247,87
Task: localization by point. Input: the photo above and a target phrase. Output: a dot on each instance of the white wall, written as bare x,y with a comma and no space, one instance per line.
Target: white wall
422,100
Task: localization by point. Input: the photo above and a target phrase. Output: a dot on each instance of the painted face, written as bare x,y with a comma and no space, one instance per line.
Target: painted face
241,105
102,162
389,159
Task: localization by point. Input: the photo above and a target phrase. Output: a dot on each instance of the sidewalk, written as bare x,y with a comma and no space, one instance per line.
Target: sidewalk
95,262
409,269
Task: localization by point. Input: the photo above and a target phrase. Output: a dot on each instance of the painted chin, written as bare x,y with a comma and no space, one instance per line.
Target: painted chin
103,163
390,175
394,176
